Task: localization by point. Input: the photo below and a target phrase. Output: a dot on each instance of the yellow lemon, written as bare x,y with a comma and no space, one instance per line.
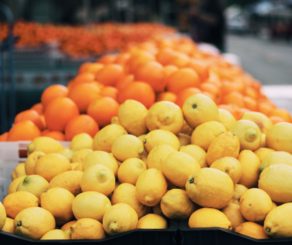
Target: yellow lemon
251,229
263,152
3,216
90,204
101,157
239,190
224,145
279,137
278,222
51,165
17,201
249,134
209,217
160,137
75,166
18,171
45,144
126,193
226,118
232,212
81,141
87,229
68,153
210,187
34,222
105,137
260,119
150,187
31,161
199,108
152,221
178,166
276,157
98,178
157,155
62,211
196,152
9,225
250,165
229,165
55,234
34,184
175,204
165,115
255,204
120,217
69,180
14,184
276,180
206,132
80,155
130,170
132,116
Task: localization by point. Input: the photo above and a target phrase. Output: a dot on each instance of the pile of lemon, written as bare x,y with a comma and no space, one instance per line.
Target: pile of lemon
194,163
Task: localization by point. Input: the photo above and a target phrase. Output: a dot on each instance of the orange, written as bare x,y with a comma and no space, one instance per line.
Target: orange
82,78
139,91
83,94
54,134
250,103
81,124
121,84
167,96
282,113
252,229
59,112
184,94
169,70
108,59
275,119
200,67
30,115
102,110
38,108
3,137
265,107
152,73
138,58
110,74
109,91
23,131
89,67
52,92
182,79
234,98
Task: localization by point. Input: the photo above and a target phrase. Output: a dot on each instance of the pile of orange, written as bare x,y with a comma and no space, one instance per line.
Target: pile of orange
80,41
161,69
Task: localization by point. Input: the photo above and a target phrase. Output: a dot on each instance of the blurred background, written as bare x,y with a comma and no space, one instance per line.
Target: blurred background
254,33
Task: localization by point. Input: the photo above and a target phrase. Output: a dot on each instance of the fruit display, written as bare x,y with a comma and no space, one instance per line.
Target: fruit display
158,165
160,69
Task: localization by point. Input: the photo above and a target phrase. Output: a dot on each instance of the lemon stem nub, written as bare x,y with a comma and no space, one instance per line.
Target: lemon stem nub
194,106
114,227
19,223
192,180
268,229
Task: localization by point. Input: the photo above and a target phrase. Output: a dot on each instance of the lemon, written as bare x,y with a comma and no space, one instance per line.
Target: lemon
76,166
103,158
150,187
232,212
45,144
62,211
3,216
204,134
224,145
260,119
126,193
157,155
68,153
251,229
127,146
152,221
199,108
132,116
119,218
55,234
278,221
18,171
34,222
80,155
249,134
239,190
17,201
69,180
250,164
9,226
229,165
105,137
31,162
209,217
165,115
263,152
98,178
51,165
175,204
34,184
276,180
130,170
81,141
255,204
14,184
226,118
90,204
178,166
276,157
210,187
87,229
196,152
160,137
